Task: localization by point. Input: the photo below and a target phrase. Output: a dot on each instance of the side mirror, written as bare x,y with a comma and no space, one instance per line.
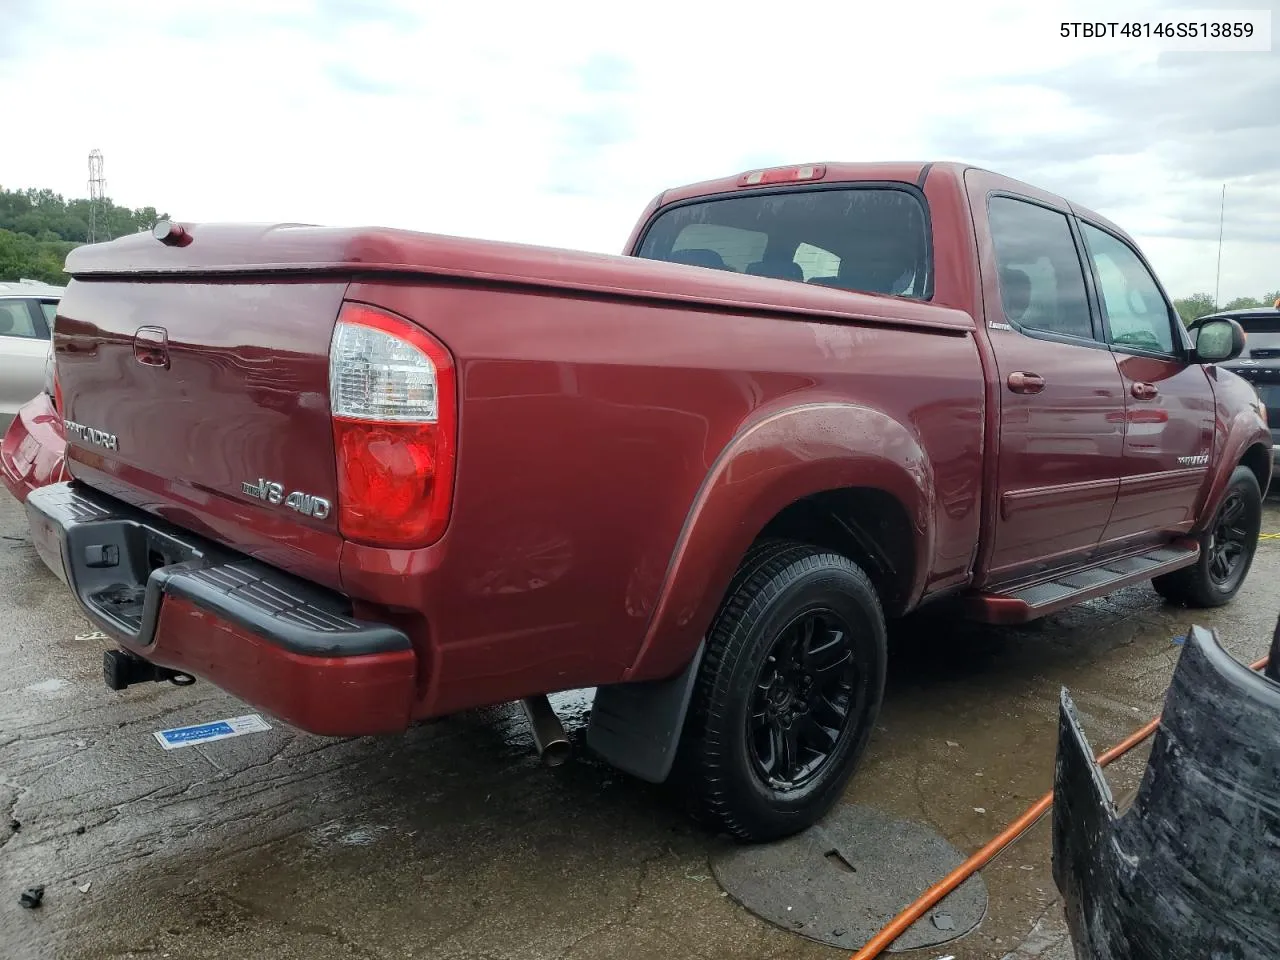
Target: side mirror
1217,341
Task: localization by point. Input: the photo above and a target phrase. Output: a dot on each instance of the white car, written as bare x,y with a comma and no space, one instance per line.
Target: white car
27,308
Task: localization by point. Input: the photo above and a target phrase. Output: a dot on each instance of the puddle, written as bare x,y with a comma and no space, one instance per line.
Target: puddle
47,687
347,835
573,706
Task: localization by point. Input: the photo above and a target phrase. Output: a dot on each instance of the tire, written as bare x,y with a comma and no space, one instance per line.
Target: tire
765,755
1226,549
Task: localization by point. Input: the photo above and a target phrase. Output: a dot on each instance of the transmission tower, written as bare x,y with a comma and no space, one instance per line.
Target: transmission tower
99,226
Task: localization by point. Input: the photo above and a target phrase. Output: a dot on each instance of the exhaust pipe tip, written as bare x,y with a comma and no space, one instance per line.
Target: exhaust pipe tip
549,737
557,753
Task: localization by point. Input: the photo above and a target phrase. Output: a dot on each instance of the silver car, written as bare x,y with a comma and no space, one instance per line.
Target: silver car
27,308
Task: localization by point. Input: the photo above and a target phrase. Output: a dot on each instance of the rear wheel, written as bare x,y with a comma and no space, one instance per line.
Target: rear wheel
1226,549
788,692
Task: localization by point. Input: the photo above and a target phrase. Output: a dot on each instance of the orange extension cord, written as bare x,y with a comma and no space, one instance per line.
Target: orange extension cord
931,897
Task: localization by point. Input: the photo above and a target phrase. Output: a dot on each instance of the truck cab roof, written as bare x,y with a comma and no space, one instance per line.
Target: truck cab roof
902,171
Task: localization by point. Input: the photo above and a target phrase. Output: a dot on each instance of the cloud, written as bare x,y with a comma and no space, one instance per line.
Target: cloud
606,73
347,13
599,120
1148,140
1179,101
557,125
20,19
352,79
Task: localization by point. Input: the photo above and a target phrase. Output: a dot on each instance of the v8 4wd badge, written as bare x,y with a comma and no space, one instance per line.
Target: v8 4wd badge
273,493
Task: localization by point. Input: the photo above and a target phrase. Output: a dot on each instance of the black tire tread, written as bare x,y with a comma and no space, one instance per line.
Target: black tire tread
755,584
1190,586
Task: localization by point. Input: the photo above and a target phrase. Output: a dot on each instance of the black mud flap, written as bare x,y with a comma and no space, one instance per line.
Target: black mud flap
636,727
1192,870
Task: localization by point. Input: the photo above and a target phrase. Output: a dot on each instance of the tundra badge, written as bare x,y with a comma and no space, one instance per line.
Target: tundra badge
99,438
273,493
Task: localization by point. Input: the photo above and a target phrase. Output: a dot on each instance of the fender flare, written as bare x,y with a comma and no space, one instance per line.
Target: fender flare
771,463
1243,432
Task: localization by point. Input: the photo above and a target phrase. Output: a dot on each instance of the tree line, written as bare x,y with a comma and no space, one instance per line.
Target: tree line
1200,304
38,228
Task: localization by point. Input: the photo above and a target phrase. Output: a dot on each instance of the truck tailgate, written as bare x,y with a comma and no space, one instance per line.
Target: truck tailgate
183,396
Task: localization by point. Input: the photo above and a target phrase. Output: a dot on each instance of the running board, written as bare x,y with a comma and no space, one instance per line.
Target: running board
1025,602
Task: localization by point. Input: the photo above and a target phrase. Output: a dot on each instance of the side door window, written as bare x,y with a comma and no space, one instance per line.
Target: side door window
1042,287
1136,313
50,310
18,319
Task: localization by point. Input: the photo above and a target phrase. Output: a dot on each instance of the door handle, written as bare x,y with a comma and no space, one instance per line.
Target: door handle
1144,391
1026,382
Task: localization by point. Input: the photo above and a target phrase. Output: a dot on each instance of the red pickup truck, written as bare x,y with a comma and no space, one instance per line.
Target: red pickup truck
363,477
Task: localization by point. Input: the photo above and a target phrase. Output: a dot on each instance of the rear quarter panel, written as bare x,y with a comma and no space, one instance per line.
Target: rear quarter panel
591,430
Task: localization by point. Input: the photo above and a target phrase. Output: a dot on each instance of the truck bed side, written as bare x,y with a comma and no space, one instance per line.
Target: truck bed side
590,425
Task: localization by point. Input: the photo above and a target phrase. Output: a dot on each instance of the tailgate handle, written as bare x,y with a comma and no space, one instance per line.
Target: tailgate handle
151,346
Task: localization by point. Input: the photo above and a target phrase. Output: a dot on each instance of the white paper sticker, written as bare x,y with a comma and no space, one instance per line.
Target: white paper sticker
208,732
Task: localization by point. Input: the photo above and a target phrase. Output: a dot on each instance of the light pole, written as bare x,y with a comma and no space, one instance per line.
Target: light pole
1222,211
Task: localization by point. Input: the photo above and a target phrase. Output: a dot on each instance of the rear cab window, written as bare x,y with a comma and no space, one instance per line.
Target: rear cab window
870,238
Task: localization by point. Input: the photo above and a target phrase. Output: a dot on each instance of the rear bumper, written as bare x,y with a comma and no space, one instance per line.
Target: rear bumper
32,448
288,647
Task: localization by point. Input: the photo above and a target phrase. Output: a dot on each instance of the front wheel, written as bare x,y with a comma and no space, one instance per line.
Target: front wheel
1226,549
788,692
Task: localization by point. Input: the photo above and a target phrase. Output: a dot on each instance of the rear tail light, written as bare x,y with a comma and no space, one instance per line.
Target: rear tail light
392,395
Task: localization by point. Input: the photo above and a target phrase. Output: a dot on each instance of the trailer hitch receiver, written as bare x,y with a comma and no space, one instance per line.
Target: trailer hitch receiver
121,669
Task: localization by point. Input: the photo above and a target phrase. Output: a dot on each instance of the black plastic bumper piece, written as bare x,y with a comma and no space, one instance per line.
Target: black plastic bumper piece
1192,870
122,562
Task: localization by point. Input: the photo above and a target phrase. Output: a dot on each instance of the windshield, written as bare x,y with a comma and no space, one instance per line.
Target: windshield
869,239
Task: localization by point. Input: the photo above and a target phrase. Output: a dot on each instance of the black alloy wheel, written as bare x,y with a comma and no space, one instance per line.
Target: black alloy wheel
806,696
1230,539
787,694
1227,547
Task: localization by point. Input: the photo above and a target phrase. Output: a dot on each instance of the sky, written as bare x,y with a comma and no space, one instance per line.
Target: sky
556,123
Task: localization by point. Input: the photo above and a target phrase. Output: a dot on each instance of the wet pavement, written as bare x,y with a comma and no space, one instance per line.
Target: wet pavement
453,842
